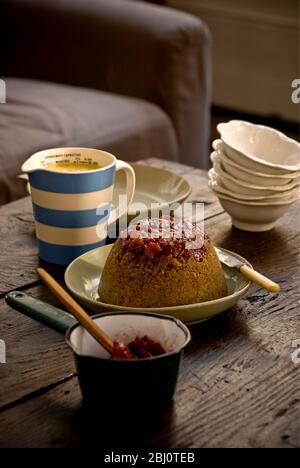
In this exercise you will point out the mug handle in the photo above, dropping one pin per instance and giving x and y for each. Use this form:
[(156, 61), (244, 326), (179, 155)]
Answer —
[(130, 188)]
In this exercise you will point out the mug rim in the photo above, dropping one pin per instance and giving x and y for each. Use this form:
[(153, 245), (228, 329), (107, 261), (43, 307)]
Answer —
[(66, 148), (178, 349)]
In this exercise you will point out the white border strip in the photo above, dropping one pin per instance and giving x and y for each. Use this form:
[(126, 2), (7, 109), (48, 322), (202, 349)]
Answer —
[(71, 201), (69, 236)]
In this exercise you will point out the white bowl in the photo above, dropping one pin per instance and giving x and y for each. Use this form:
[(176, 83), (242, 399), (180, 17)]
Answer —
[(231, 183), (255, 217), (247, 175), (260, 148), (215, 183)]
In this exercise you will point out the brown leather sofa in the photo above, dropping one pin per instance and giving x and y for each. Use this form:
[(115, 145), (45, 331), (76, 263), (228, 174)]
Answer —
[(120, 75)]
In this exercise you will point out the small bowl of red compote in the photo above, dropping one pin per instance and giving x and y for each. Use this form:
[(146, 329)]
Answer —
[(145, 374)]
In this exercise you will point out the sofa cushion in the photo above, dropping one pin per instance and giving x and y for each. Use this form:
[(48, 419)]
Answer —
[(40, 115)]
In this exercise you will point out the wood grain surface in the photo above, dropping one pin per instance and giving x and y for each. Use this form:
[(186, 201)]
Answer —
[(238, 386)]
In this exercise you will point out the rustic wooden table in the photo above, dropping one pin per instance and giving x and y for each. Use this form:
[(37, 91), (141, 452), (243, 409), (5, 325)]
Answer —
[(238, 386)]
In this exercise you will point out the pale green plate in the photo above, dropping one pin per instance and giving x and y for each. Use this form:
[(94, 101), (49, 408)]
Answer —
[(83, 275), (153, 185)]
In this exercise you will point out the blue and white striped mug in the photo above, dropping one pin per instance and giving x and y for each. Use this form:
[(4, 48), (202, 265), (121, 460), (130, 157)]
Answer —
[(72, 208)]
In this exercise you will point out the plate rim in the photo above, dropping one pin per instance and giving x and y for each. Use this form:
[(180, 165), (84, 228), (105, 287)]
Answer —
[(169, 171), (158, 310)]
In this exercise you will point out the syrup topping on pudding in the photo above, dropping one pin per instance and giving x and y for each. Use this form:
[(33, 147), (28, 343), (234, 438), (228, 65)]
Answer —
[(160, 237)]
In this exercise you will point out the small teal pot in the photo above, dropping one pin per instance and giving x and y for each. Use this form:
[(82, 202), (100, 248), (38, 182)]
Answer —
[(150, 381), (140, 384)]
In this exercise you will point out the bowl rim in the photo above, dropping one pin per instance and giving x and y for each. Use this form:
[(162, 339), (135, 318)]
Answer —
[(281, 135), (178, 322), (244, 202), (213, 185), (275, 188), (218, 151)]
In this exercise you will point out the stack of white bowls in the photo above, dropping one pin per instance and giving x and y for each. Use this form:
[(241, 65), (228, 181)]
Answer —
[(256, 173)]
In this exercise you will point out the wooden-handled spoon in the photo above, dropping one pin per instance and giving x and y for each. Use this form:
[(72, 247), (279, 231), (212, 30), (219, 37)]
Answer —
[(250, 273), (260, 279), (75, 309)]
